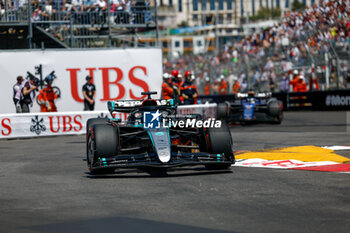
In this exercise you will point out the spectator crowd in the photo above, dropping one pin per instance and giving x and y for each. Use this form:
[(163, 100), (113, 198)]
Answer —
[(121, 11), (268, 60)]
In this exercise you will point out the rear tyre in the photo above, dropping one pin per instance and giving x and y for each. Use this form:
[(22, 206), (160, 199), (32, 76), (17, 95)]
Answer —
[(222, 111), (275, 109), (278, 120), (102, 142), (220, 142)]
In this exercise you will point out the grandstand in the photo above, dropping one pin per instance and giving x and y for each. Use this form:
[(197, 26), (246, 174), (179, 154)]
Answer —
[(315, 42), (70, 24)]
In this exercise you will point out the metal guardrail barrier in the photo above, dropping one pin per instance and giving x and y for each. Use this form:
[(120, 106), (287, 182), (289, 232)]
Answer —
[(95, 26), (337, 100)]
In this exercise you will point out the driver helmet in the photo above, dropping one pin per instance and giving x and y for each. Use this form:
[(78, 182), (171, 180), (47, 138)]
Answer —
[(295, 72), (251, 93)]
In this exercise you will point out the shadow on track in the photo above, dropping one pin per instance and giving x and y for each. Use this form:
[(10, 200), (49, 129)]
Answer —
[(121, 224), (76, 142), (158, 173)]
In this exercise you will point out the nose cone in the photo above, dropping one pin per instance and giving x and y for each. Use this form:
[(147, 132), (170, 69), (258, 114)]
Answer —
[(161, 143), (164, 156)]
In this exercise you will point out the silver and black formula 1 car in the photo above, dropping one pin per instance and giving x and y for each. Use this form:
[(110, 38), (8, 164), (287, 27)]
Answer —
[(155, 136), (250, 107)]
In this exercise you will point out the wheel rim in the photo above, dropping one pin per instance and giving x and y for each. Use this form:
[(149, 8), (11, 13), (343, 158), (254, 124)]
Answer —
[(91, 153)]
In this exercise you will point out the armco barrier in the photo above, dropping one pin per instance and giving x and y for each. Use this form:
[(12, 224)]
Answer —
[(70, 123), (315, 100)]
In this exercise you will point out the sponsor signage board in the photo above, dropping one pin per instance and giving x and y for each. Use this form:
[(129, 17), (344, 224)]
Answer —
[(68, 123), (117, 73)]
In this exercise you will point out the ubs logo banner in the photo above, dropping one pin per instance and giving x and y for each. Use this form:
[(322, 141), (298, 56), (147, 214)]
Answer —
[(101, 115), (337, 100), (37, 125), (113, 81)]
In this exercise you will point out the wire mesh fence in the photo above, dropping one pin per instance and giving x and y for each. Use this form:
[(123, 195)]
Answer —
[(82, 25)]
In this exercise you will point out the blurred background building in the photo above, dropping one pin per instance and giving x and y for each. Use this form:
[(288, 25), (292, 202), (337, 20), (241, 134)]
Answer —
[(229, 12)]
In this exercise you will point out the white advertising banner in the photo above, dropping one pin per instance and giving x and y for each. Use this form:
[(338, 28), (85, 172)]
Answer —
[(206, 110), (45, 124), (117, 74), (68, 123)]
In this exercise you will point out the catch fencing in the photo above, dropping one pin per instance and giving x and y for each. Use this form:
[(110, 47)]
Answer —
[(96, 26)]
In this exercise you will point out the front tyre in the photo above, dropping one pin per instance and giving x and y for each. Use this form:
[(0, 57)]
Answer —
[(220, 142), (102, 141)]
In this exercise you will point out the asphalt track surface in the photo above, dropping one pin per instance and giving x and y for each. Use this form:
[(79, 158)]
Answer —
[(45, 187)]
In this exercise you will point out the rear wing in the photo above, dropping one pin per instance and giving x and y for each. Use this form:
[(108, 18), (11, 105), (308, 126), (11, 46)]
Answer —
[(257, 95), (127, 106)]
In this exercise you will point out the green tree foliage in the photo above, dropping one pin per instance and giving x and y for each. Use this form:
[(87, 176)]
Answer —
[(267, 13), (297, 6), (183, 24)]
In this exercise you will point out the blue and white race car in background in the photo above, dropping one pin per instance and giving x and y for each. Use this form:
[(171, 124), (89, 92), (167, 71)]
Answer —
[(250, 107)]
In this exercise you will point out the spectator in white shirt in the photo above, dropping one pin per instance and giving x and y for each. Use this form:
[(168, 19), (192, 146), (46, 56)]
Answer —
[(77, 6)]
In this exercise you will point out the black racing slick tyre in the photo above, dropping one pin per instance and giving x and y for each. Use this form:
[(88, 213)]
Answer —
[(222, 112), (278, 120), (102, 142), (220, 142), (273, 107), (89, 124), (94, 121), (275, 110)]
